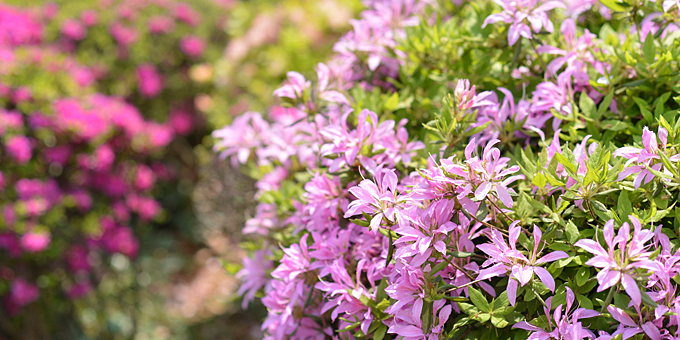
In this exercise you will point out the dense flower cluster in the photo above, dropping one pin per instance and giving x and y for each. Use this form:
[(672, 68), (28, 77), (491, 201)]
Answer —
[(364, 232), (81, 159)]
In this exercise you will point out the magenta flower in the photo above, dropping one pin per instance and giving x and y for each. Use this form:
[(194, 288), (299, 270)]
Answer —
[(144, 177), (504, 258), (19, 148), (407, 288), (668, 4), (295, 86), (76, 257), (181, 121), (628, 327), (514, 13), (488, 173), (89, 17), (192, 46), (161, 24), (73, 29), (247, 132), (576, 53), (254, 275), (377, 197), (124, 35), (35, 242), (549, 95), (620, 266), (408, 324), (150, 81), (23, 293), (428, 230), (79, 290), (561, 326), (467, 97), (644, 158)]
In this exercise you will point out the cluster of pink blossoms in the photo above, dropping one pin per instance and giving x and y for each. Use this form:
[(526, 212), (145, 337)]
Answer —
[(79, 169), (382, 238)]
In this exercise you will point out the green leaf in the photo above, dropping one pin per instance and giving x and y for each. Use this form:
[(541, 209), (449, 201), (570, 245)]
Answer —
[(584, 301), (571, 169), (380, 333), (481, 317), (613, 5), (624, 207), (572, 232), (598, 205), (647, 299), (604, 105), (501, 301), (392, 102), (649, 48), (381, 294), (614, 125), (468, 308), (658, 173), (582, 276), (587, 105), (390, 252), (360, 222), (460, 254), (479, 300), (499, 321), (540, 180)]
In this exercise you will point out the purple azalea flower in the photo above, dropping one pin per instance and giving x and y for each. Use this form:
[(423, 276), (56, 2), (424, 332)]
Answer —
[(644, 158), (378, 198), (619, 266), (408, 324), (628, 327), (514, 13), (426, 231), (504, 259), (561, 326)]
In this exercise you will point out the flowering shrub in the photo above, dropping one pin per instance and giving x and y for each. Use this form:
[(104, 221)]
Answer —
[(87, 121), (472, 170)]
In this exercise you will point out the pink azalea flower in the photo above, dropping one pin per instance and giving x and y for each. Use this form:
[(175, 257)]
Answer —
[(22, 293), (73, 29), (628, 327), (562, 326), (640, 159), (35, 242), (19, 148), (377, 197), (515, 12), (467, 97), (408, 324), (150, 81), (192, 46), (504, 259), (426, 231), (619, 266)]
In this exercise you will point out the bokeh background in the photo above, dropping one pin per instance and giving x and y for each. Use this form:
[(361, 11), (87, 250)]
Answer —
[(117, 220)]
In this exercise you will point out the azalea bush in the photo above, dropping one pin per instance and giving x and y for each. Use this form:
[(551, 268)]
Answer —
[(472, 170), (91, 130), (104, 111)]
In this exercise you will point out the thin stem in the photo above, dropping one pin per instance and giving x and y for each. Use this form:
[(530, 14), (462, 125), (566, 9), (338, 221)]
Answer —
[(455, 265), (502, 231), (538, 296), (590, 209), (608, 300), (499, 209), (463, 286)]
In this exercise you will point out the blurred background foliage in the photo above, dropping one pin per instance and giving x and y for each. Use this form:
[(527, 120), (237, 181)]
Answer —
[(175, 287)]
